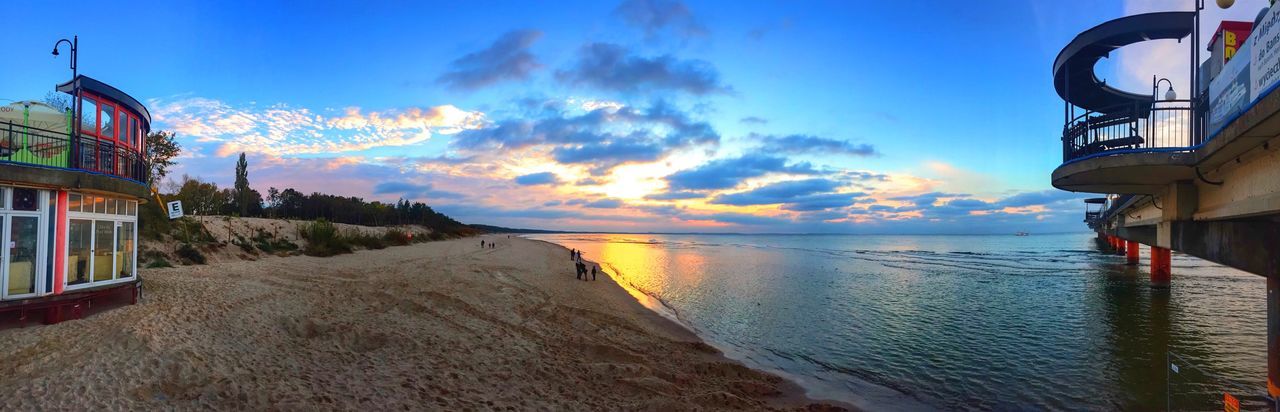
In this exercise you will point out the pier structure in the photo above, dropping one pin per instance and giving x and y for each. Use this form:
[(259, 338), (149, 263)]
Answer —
[(73, 174), (1197, 174)]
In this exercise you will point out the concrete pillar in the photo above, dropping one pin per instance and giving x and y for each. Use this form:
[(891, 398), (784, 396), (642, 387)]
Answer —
[(1120, 246), (1131, 254), (1161, 262), (1273, 336)]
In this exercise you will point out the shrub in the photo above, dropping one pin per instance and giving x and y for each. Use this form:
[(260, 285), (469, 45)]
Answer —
[(398, 237), (271, 244), (188, 230), (436, 236), (366, 241), (159, 263), (323, 239), (190, 255)]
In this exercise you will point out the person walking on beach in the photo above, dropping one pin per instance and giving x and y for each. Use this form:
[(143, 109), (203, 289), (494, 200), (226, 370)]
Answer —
[(593, 273), (572, 254), (482, 244)]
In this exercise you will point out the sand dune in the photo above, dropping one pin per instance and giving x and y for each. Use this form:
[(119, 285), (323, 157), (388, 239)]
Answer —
[(441, 325)]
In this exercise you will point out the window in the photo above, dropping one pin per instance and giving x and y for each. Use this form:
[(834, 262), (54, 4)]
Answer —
[(102, 241), (79, 247), (24, 235), (89, 115), (134, 136), (4, 203), (25, 199), (73, 202), (108, 126)]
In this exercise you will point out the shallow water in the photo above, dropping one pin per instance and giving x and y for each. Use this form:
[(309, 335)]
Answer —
[(957, 322)]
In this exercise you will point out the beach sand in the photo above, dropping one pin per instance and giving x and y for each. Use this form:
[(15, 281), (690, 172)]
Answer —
[(439, 325)]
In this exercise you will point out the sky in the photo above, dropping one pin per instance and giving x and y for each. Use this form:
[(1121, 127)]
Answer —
[(633, 115)]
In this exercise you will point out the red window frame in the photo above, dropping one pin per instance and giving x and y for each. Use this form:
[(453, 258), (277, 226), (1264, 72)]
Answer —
[(122, 120)]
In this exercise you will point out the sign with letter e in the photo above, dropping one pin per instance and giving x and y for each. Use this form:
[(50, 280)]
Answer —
[(175, 209)]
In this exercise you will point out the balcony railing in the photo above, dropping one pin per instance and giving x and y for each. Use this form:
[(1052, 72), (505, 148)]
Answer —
[(33, 146), (1160, 126)]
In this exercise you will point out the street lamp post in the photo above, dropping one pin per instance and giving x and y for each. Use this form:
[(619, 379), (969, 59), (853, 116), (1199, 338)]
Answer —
[(75, 98)]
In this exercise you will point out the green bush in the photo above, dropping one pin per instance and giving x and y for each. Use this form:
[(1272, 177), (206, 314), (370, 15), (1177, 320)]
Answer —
[(188, 230), (159, 263), (398, 237), (190, 255), (366, 241), (436, 236), (323, 239), (270, 244)]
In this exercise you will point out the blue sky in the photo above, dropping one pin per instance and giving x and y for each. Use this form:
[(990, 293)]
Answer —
[(664, 115)]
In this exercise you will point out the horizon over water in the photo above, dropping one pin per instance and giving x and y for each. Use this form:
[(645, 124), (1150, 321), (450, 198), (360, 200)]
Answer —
[(970, 322)]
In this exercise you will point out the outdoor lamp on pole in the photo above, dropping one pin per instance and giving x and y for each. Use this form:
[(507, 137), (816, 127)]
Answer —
[(1169, 95), (74, 43)]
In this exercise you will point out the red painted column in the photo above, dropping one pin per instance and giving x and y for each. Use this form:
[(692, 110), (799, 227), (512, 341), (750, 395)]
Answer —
[(60, 244), (1273, 336), (1131, 252), (1161, 266), (1120, 246)]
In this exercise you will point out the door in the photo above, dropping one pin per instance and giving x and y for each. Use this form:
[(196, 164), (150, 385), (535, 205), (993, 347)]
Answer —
[(21, 256)]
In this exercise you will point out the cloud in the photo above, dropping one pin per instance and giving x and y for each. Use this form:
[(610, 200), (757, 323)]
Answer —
[(753, 120), (533, 179), (506, 59), (613, 67), (281, 130), (604, 204), (1040, 198), (654, 16), (599, 139), (798, 143), (777, 192), (414, 191), (679, 195), (729, 173), (745, 219)]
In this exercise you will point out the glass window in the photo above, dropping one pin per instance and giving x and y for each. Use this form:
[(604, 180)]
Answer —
[(133, 131), (25, 199), (99, 205), (79, 246), (89, 115), (4, 203), (23, 232), (133, 208), (108, 126), (73, 202), (124, 250), (111, 206), (103, 249)]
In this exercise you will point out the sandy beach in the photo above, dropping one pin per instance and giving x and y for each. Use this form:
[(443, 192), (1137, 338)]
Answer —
[(439, 325)]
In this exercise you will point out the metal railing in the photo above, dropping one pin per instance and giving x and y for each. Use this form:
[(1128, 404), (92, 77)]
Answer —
[(34, 146), (1163, 125)]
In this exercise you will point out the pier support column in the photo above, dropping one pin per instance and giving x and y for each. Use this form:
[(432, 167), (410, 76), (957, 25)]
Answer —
[(1131, 252), (1161, 266), (1273, 337), (1120, 246)]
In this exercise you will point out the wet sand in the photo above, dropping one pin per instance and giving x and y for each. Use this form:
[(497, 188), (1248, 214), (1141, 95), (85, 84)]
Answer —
[(440, 325)]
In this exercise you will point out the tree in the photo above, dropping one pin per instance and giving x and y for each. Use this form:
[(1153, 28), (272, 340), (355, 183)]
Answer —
[(204, 198), (161, 149), (273, 200), (242, 185)]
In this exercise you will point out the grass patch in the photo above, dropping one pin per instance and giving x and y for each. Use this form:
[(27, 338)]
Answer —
[(190, 255), (323, 239)]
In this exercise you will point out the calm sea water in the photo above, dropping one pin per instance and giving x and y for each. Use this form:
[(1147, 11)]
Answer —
[(957, 322)]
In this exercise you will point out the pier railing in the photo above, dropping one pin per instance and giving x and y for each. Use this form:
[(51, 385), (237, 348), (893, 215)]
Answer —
[(47, 148), (1160, 126)]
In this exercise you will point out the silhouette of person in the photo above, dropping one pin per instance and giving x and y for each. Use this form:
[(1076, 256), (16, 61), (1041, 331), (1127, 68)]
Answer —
[(593, 272), (482, 244)]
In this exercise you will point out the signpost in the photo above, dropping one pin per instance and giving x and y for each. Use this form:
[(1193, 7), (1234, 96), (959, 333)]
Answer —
[(175, 209)]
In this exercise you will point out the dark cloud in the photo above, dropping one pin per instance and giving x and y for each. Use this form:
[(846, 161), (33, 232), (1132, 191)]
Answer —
[(729, 173), (541, 178), (779, 192), (743, 219), (798, 143), (551, 203), (1041, 198), (679, 195), (414, 191), (753, 120), (603, 204), (508, 58), (926, 199), (654, 16), (614, 68), (596, 138), (588, 182)]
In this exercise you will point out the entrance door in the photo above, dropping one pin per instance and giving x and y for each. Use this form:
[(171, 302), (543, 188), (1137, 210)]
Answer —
[(21, 257)]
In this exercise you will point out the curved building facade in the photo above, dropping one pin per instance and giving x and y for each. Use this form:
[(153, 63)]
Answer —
[(72, 180)]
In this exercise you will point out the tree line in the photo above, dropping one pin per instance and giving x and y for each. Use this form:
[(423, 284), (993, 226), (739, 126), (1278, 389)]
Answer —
[(206, 198)]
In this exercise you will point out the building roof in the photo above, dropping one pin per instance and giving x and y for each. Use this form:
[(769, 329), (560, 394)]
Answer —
[(110, 92), (1073, 75)]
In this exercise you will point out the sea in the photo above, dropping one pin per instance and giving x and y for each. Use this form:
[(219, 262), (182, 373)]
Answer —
[(982, 322)]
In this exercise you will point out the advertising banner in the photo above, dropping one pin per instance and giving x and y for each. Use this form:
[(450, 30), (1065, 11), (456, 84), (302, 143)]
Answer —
[(1249, 76)]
